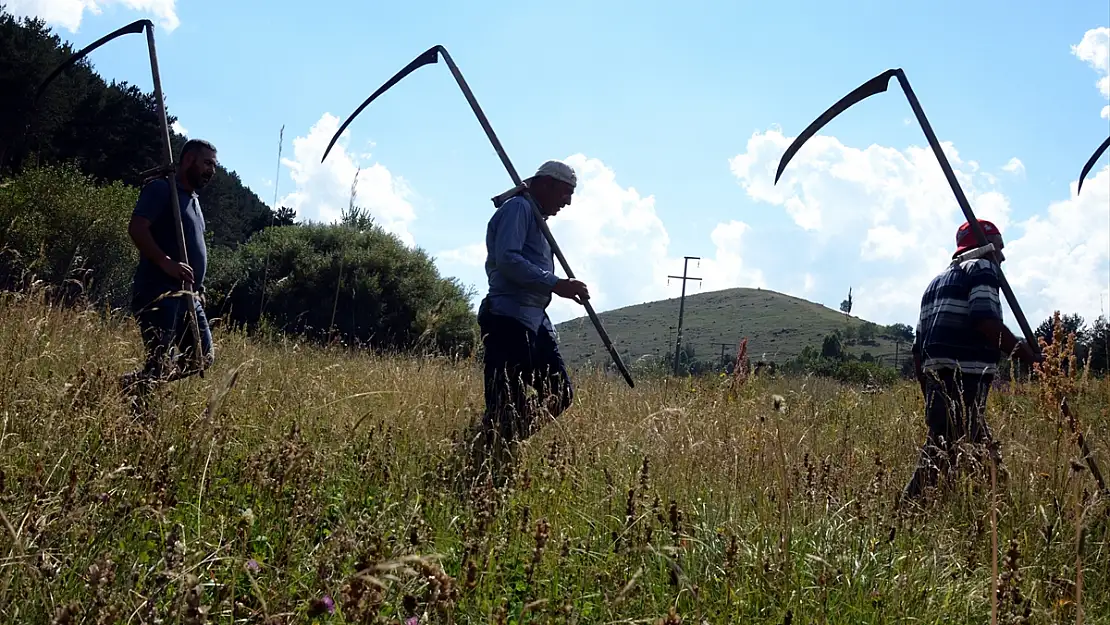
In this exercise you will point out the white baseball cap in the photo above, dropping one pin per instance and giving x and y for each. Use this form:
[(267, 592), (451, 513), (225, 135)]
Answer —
[(557, 170)]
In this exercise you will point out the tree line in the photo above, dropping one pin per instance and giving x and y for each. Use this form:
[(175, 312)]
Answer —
[(833, 359), (1092, 341), (71, 166)]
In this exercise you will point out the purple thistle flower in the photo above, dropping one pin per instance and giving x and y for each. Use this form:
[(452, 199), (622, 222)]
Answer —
[(252, 565), (322, 605), (412, 620)]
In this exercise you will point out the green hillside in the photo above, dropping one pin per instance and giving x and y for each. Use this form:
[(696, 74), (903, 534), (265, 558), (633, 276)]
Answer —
[(778, 328)]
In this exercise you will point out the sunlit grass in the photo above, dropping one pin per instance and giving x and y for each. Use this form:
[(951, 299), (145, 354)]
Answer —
[(296, 483)]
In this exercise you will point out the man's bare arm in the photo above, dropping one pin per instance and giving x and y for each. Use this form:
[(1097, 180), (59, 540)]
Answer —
[(139, 230)]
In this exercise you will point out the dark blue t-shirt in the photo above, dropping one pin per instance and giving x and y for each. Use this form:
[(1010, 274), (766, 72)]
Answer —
[(154, 204)]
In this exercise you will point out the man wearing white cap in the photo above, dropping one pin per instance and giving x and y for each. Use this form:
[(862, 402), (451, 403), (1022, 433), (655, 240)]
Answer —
[(520, 343)]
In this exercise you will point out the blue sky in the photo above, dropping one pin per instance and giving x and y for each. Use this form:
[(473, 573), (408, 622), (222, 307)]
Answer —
[(675, 118)]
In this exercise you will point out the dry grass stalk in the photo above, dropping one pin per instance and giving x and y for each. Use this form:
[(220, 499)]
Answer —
[(300, 472)]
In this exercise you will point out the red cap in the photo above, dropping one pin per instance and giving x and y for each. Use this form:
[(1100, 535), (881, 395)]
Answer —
[(965, 236)]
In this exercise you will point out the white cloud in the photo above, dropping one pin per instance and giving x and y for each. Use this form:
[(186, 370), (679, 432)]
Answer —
[(727, 268), (895, 209), (810, 284), (473, 255), (69, 13), (1014, 166), (1094, 49), (837, 191), (323, 190), (1062, 259), (886, 242), (613, 240), (179, 129), (616, 243)]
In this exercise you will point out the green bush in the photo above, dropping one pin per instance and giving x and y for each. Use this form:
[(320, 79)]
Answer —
[(57, 226), (362, 286), (832, 362), (857, 372)]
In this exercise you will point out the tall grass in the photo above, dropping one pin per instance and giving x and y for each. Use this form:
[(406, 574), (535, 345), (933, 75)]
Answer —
[(297, 483)]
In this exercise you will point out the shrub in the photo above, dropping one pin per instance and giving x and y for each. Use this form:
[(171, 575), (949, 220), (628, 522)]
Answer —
[(58, 226), (362, 286), (831, 361), (857, 372)]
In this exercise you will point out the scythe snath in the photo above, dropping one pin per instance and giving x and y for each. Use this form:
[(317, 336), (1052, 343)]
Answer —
[(432, 56), (1091, 163), (877, 85), (168, 169)]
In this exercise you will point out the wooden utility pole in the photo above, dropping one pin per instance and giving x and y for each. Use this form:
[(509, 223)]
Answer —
[(681, 307), (724, 360)]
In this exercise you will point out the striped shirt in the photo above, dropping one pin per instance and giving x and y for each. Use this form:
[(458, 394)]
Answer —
[(953, 304)]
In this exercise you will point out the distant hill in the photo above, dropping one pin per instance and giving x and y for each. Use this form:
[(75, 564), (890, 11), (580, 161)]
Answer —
[(778, 328)]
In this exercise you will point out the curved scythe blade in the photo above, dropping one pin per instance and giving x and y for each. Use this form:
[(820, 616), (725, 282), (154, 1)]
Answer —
[(431, 55), (1091, 163), (877, 84), (131, 29)]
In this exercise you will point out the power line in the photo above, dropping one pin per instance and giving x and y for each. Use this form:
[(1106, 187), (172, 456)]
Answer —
[(682, 306)]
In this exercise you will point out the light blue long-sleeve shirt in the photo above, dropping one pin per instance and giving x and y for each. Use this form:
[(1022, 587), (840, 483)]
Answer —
[(519, 265)]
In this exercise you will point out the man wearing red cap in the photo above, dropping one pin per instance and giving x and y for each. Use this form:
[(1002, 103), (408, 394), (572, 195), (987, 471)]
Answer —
[(959, 340)]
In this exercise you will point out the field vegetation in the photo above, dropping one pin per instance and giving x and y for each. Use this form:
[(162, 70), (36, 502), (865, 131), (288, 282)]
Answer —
[(319, 473), (299, 483)]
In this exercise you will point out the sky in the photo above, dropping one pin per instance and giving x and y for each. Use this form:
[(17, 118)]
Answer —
[(675, 118)]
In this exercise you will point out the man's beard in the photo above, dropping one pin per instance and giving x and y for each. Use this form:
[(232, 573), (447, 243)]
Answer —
[(197, 180)]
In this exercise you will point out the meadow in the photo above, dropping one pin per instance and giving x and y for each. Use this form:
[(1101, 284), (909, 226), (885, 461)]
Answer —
[(304, 484)]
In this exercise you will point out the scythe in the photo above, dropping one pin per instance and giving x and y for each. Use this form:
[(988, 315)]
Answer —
[(1091, 163), (432, 56), (168, 169), (877, 85)]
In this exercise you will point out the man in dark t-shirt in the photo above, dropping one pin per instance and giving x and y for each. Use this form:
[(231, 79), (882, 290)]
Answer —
[(161, 273)]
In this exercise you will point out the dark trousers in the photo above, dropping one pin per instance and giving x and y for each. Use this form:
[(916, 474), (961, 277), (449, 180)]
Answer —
[(164, 326), (954, 412), (517, 358)]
